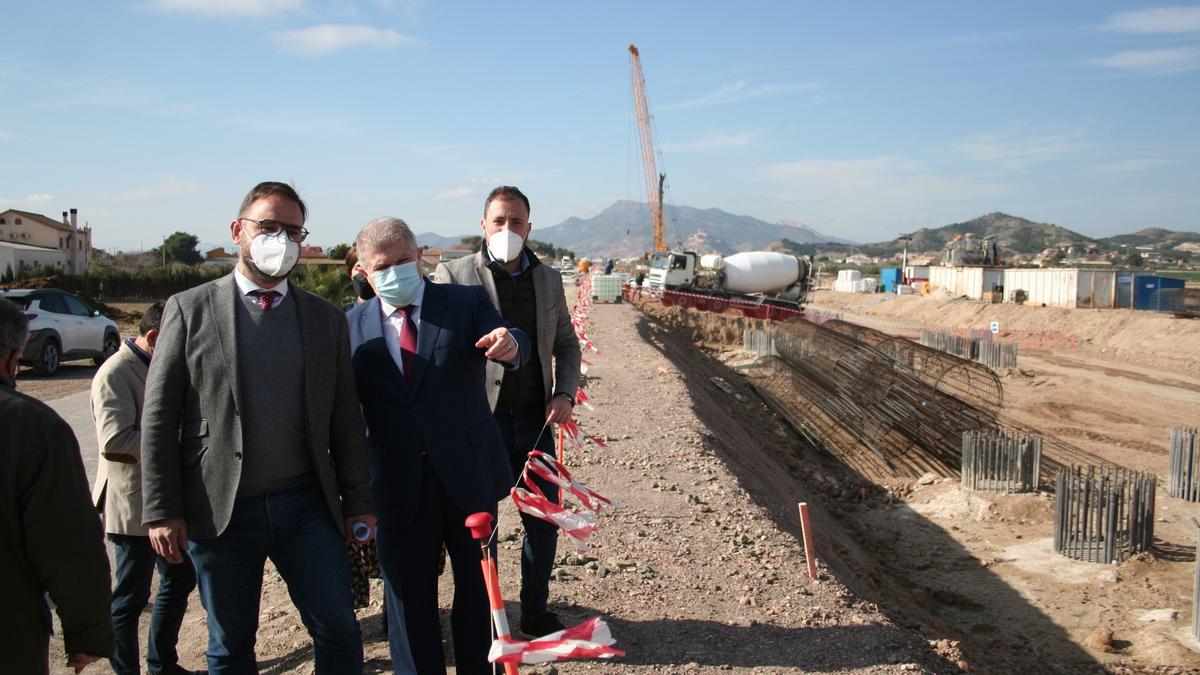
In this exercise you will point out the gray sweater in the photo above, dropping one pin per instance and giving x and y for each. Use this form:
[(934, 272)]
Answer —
[(271, 359)]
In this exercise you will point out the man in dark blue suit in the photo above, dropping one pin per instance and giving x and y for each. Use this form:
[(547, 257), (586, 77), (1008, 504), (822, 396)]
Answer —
[(436, 453)]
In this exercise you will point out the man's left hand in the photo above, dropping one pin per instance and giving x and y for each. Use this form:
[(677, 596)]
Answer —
[(500, 344), (559, 411), (367, 519)]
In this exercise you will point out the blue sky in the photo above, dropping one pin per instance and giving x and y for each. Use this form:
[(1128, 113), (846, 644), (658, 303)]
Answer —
[(862, 120)]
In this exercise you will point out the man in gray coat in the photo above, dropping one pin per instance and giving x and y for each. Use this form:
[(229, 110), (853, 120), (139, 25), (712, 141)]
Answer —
[(51, 542), (118, 390), (526, 400), (253, 444)]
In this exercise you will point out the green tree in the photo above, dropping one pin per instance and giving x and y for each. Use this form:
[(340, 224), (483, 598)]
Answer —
[(8, 274), (470, 243), (339, 252), (180, 247), (1134, 259)]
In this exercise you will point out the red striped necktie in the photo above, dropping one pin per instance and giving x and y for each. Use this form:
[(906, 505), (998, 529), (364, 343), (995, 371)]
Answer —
[(266, 299), (408, 341)]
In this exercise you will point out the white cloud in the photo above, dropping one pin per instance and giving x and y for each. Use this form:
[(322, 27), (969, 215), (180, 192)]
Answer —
[(27, 200), (1156, 20), (225, 8), (456, 192), (171, 187), (331, 37), (1015, 149), (1153, 61), (297, 123), (712, 142), (737, 91), (443, 152), (5, 136), (1126, 166)]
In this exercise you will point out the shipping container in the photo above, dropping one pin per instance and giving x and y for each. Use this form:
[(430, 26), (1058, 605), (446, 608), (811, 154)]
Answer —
[(890, 278), (1158, 294), (916, 273), (976, 283), (1061, 287)]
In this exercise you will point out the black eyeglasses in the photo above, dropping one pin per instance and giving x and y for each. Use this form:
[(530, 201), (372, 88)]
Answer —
[(296, 233)]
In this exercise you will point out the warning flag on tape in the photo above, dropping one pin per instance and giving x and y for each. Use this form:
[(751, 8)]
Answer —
[(589, 640)]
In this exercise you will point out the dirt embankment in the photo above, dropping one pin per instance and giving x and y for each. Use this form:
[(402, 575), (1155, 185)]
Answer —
[(979, 568), (1144, 338)]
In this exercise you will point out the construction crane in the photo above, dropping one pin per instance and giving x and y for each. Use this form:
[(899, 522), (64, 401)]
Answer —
[(654, 179)]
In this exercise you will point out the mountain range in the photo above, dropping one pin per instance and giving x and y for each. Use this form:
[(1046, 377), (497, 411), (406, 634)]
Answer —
[(622, 230)]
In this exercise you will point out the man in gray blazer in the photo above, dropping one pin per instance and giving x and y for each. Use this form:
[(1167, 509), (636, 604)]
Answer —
[(118, 390), (253, 444), (525, 401)]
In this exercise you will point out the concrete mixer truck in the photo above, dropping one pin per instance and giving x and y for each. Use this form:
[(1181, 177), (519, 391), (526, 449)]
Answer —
[(759, 284)]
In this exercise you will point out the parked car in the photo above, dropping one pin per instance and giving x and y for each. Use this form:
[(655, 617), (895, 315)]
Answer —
[(63, 328)]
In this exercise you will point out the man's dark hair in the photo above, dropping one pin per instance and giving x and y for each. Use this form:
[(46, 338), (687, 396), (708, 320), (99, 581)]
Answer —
[(151, 318), (505, 192), (14, 327), (272, 189)]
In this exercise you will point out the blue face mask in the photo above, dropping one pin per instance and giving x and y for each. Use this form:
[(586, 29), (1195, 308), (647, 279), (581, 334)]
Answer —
[(398, 284)]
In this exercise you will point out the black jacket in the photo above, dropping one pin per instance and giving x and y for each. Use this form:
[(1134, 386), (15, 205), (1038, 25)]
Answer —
[(51, 540)]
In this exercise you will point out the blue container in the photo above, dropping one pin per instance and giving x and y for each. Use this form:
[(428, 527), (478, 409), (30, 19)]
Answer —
[(890, 277), (1158, 294)]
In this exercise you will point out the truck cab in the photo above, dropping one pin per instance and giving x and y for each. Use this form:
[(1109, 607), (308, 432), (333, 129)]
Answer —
[(672, 270)]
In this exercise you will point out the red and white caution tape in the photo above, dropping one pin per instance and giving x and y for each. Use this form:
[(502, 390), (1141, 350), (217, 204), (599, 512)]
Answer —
[(589, 640), (582, 399), (530, 499)]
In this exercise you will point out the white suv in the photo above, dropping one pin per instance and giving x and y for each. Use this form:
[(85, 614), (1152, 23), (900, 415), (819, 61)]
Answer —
[(63, 328)]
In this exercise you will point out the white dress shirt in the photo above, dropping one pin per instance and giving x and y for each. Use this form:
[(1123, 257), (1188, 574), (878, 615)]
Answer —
[(245, 286), (393, 324)]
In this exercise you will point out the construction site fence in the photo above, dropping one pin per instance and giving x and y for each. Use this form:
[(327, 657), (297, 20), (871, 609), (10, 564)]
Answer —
[(1103, 515), (994, 355), (1183, 475), (994, 461), (1196, 586)]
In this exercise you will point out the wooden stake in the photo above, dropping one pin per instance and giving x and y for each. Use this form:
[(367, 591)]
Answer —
[(806, 530)]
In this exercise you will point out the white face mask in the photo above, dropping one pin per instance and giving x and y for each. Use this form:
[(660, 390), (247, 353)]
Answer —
[(505, 245), (274, 254)]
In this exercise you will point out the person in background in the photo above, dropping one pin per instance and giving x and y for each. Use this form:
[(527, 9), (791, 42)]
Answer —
[(253, 444), (608, 266), (362, 287), (118, 390), (51, 541), (637, 283), (525, 401), (420, 351)]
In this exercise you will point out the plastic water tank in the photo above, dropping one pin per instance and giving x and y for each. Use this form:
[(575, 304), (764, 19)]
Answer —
[(760, 271)]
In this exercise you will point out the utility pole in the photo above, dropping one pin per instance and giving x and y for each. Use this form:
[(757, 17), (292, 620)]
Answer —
[(904, 264)]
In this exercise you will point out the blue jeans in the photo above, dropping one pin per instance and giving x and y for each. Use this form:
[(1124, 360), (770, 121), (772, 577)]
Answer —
[(294, 529), (135, 564), (541, 538)]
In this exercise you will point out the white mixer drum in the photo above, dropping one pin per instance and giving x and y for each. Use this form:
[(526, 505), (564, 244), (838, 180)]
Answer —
[(760, 271)]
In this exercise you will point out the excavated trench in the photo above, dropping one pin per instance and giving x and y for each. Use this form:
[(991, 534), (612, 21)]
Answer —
[(876, 543)]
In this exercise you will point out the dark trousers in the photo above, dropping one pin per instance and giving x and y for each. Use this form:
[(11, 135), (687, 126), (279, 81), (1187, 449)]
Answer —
[(293, 528), (135, 565), (520, 432), (410, 556)]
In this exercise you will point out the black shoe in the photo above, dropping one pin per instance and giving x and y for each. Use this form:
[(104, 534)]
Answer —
[(541, 625)]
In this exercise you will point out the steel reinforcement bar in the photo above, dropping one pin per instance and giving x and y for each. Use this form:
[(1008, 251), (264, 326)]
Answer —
[(1103, 515)]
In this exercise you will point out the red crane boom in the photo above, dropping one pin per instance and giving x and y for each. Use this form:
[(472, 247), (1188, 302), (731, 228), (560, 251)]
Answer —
[(654, 179)]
